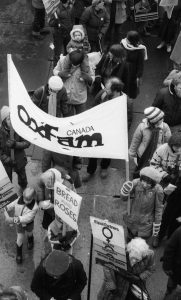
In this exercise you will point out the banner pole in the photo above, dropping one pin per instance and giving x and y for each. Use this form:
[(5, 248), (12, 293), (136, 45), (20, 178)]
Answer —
[(127, 179), (90, 269)]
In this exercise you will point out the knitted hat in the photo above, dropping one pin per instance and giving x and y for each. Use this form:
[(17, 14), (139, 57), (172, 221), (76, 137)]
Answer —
[(55, 83), (151, 173), (153, 114), (76, 57), (175, 139), (77, 28), (176, 79), (56, 263), (5, 112)]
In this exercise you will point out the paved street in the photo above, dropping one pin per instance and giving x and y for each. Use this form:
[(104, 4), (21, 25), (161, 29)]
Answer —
[(31, 59)]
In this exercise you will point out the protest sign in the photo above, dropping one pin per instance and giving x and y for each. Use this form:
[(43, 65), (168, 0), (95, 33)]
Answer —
[(66, 204), (108, 244), (51, 6), (98, 132), (145, 10), (7, 189)]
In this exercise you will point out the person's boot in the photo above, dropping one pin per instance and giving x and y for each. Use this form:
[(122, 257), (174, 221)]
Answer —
[(19, 257), (30, 243)]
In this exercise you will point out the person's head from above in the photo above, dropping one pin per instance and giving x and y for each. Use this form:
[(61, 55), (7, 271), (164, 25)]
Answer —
[(55, 84), (154, 116), (65, 2), (114, 87), (117, 53), (29, 195), (48, 179), (133, 38), (175, 142), (137, 249), (77, 34), (177, 66), (76, 57), (176, 83), (149, 177), (56, 264), (5, 116), (98, 4)]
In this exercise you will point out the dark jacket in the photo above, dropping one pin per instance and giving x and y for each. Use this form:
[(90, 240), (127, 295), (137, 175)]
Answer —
[(95, 22), (79, 6), (5, 151), (40, 99), (172, 256), (65, 20), (69, 285), (170, 104), (106, 68)]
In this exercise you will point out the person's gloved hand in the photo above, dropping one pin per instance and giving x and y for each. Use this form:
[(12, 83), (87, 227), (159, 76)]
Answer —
[(165, 180), (126, 188), (11, 143), (16, 220)]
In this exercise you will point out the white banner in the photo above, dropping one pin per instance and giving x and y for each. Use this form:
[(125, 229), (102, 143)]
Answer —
[(7, 189), (67, 204), (98, 132), (50, 6), (109, 244)]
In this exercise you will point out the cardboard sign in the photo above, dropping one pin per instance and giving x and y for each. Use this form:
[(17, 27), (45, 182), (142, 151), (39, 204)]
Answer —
[(67, 204), (51, 6), (145, 10), (7, 189), (109, 244)]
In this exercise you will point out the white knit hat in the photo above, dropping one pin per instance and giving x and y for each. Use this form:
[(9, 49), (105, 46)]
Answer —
[(55, 83), (153, 114), (5, 112), (151, 173), (77, 28)]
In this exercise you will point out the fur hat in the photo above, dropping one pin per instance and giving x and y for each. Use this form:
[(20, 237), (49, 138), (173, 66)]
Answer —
[(176, 79), (55, 83), (5, 112), (76, 57), (77, 28), (151, 173), (153, 114), (175, 139), (56, 263)]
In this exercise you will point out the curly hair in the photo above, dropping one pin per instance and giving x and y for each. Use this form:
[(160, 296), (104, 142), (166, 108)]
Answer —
[(139, 246)]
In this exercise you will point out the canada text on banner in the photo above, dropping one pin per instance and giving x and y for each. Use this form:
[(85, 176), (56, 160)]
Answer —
[(98, 132), (66, 204), (145, 10), (51, 6), (7, 189), (109, 244)]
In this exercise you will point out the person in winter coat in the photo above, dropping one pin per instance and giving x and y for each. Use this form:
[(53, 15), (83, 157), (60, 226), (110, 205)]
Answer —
[(113, 89), (121, 284), (148, 136), (95, 20), (79, 7), (52, 98), (168, 99), (12, 154), (112, 64), (25, 209), (172, 262), (38, 30), (136, 55), (167, 160), (169, 27), (59, 276), (146, 204), (176, 71), (62, 22)]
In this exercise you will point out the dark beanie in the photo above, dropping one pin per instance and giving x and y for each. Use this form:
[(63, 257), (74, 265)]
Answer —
[(133, 37), (76, 57), (56, 263), (175, 139), (117, 50)]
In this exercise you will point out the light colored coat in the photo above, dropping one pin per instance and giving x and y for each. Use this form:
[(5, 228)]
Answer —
[(146, 209), (142, 137)]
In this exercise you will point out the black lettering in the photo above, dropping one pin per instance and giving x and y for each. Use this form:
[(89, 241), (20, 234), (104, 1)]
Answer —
[(89, 140), (107, 233), (20, 109), (66, 141)]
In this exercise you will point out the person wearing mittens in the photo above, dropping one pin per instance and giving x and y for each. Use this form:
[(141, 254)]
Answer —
[(146, 209)]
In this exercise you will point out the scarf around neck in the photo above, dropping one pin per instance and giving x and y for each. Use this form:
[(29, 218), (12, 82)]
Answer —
[(130, 47)]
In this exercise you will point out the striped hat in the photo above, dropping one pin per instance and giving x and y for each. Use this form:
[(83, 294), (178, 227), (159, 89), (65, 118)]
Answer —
[(153, 114)]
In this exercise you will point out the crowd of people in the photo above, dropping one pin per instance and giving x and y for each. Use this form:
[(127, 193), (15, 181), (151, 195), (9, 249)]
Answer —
[(81, 28)]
